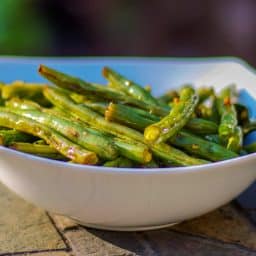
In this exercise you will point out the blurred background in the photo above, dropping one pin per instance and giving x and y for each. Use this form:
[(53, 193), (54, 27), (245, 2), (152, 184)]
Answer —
[(131, 27)]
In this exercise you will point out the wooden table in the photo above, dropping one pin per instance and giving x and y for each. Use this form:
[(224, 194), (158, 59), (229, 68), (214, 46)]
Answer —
[(28, 230)]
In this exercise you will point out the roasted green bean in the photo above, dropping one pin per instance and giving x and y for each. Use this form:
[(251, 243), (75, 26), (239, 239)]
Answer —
[(177, 118), (60, 143)]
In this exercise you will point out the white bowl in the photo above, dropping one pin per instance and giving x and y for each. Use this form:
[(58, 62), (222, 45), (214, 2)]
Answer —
[(123, 198)]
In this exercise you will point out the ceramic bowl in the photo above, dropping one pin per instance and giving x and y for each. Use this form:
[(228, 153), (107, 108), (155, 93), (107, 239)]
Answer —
[(124, 198)]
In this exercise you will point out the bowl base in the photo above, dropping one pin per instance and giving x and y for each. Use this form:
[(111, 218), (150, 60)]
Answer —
[(125, 228)]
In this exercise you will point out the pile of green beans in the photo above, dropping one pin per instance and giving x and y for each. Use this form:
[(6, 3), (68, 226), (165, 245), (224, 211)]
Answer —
[(122, 124)]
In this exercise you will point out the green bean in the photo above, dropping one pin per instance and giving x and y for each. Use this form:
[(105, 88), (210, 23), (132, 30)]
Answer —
[(202, 148), (125, 115), (168, 97), (40, 142), (201, 126), (130, 116), (228, 122), (21, 89), (95, 104), (22, 104), (235, 142), (81, 98), (54, 139), (148, 88), (129, 87), (37, 149), (204, 93), (77, 85), (213, 138), (136, 119), (209, 111), (151, 164), (61, 113), (203, 111), (119, 162), (33, 148), (195, 123), (177, 118), (175, 156), (60, 99), (75, 132), (99, 107), (82, 87), (229, 92), (214, 116), (142, 113), (8, 137), (135, 151)]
